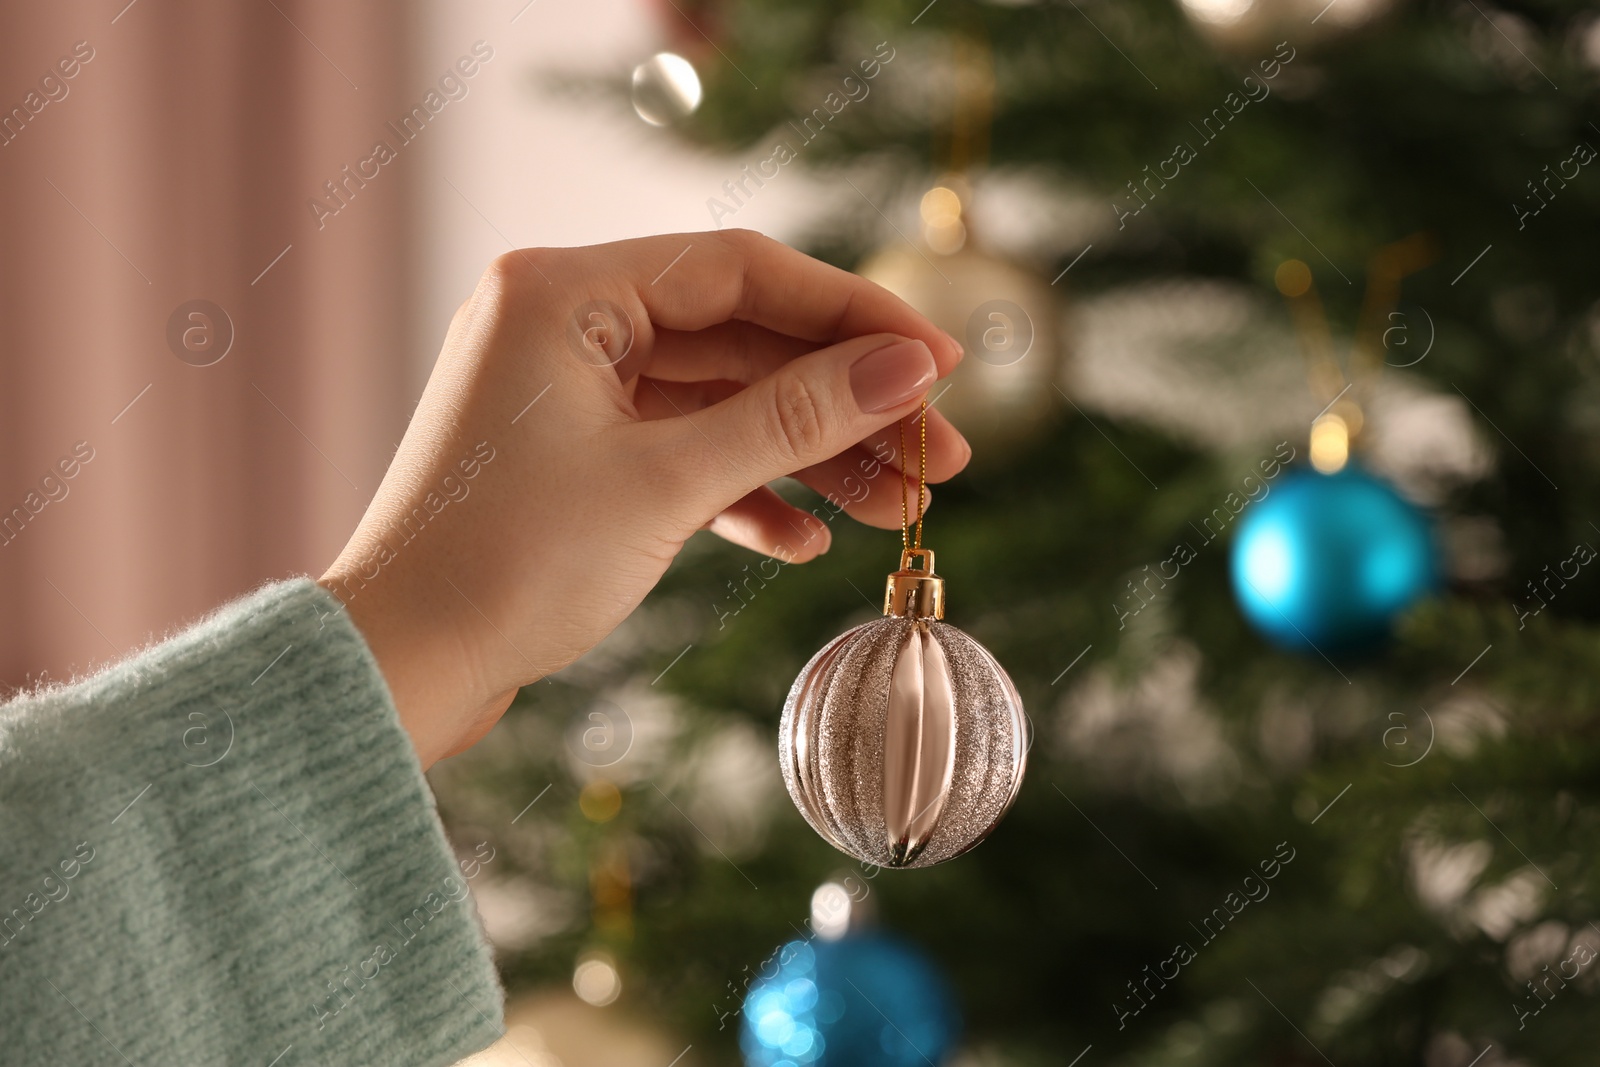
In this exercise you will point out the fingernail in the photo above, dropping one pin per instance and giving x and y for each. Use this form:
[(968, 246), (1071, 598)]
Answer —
[(960, 351), (827, 541), (889, 376)]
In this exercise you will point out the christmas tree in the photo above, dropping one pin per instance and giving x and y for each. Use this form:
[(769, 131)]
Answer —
[(1223, 852)]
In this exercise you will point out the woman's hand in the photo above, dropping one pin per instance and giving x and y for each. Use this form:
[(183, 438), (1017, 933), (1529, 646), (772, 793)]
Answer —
[(591, 409)]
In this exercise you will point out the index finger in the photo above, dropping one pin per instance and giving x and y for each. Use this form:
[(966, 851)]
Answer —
[(690, 281)]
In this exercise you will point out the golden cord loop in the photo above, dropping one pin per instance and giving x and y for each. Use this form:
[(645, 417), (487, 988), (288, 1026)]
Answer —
[(1385, 270), (1340, 423), (905, 482), (922, 471), (905, 487)]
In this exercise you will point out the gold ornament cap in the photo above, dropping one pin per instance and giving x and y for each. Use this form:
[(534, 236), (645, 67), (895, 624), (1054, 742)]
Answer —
[(914, 592)]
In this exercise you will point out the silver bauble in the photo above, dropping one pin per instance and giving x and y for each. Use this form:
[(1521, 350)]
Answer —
[(903, 742), (666, 89)]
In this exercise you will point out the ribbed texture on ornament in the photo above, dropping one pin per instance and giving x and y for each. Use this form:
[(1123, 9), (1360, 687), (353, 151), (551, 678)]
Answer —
[(839, 743)]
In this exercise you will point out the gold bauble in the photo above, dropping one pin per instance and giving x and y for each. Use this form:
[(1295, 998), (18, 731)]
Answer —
[(554, 1028), (1004, 392)]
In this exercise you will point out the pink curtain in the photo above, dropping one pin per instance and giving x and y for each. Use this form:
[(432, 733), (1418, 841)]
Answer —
[(153, 155)]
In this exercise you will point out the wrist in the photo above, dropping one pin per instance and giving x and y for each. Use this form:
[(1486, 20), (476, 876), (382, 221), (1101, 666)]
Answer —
[(430, 673)]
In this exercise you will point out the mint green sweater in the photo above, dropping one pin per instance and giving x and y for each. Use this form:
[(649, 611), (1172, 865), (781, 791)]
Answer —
[(223, 851)]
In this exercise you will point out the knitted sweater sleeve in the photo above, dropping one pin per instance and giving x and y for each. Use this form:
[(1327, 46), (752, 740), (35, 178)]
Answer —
[(223, 850)]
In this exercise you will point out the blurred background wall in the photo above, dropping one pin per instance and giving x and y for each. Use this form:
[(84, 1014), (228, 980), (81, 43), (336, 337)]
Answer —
[(176, 167)]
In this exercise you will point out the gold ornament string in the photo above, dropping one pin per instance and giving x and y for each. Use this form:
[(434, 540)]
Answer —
[(971, 120), (973, 112), (1385, 269), (1343, 419), (905, 482)]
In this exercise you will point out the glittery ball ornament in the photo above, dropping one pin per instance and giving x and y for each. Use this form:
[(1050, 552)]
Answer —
[(903, 742)]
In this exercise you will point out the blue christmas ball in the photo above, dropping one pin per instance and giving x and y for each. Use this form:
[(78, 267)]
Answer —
[(1327, 562), (866, 1000)]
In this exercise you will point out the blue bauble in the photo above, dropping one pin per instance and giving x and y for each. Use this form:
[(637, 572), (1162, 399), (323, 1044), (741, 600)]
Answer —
[(1327, 562), (866, 1000)]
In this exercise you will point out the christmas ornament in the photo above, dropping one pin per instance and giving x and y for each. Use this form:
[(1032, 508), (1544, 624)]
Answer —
[(1003, 394), (864, 999), (1242, 25), (1333, 556), (903, 742), (1327, 562), (665, 89), (555, 1028)]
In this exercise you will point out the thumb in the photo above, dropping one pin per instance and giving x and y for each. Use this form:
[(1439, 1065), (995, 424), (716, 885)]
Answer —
[(811, 409)]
